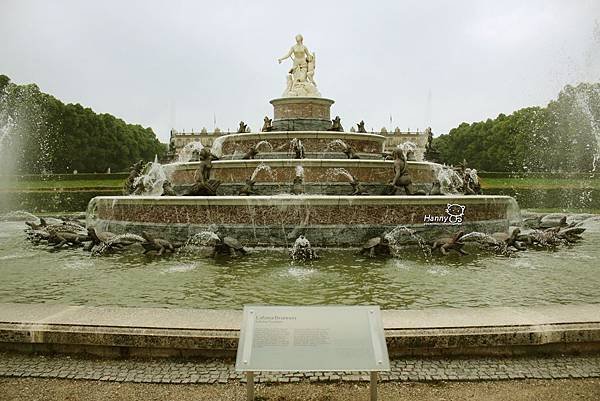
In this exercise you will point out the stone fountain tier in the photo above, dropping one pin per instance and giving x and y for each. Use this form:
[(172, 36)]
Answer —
[(327, 221), (321, 176), (301, 113), (234, 146)]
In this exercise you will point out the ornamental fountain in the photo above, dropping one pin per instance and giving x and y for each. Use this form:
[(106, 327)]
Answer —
[(332, 187)]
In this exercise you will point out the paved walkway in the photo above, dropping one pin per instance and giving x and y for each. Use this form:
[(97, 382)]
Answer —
[(170, 371)]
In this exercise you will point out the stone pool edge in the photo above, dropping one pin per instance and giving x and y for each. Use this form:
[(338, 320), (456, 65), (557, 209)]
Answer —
[(160, 332)]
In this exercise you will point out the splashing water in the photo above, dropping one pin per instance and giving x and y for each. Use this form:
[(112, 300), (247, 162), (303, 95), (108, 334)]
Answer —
[(18, 215), (299, 171), (402, 235), (450, 182), (302, 250), (584, 105), (6, 125), (187, 152), (202, 239), (407, 147), (198, 241), (474, 177), (217, 146), (478, 236), (150, 182), (294, 145), (262, 166), (124, 239), (499, 247)]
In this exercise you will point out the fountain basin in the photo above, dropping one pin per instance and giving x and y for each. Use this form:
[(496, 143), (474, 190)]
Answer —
[(327, 221), (300, 113), (319, 175), (315, 144)]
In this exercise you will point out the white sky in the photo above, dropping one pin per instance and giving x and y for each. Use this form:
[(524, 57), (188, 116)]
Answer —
[(178, 63)]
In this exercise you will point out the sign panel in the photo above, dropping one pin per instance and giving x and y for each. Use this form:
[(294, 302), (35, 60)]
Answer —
[(312, 338)]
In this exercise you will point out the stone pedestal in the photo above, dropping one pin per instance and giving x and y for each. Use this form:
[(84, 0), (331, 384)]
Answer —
[(301, 114)]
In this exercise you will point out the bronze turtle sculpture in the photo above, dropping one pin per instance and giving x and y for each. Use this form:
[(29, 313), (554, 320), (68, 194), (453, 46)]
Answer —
[(104, 241), (376, 246), (510, 240), (168, 189), (571, 234), (157, 244), (248, 188), (349, 152), (228, 246), (357, 188), (251, 153), (297, 186), (60, 233), (66, 234), (447, 244), (36, 226), (550, 223)]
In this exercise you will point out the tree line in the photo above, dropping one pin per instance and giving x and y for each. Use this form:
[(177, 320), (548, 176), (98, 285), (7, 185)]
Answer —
[(40, 134), (561, 137)]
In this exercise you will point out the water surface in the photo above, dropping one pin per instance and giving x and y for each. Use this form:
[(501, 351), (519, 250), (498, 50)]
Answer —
[(32, 274)]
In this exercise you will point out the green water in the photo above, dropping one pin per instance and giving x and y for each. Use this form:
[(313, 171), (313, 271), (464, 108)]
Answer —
[(33, 274)]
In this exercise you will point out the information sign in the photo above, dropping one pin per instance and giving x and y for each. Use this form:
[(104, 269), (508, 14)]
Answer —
[(312, 338)]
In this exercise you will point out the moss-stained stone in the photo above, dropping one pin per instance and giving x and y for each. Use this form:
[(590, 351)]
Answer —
[(316, 171), (301, 107), (261, 220), (313, 141)]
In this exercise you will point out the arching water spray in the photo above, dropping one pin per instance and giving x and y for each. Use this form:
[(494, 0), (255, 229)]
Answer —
[(333, 172), (264, 144), (450, 182), (337, 143), (408, 149), (187, 152), (401, 236), (259, 168), (152, 179)]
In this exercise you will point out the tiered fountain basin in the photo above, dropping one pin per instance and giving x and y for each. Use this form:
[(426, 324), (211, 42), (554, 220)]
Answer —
[(320, 175), (317, 144), (327, 221), (301, 113)]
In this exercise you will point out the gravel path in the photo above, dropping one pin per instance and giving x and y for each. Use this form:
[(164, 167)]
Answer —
[(223, 372), (15, 389)]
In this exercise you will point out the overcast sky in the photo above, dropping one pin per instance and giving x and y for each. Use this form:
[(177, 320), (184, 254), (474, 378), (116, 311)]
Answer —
[(179, 64)]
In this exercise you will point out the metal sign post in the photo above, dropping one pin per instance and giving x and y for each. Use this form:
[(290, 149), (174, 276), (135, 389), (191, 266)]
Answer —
[(311, 338), (250, 386)]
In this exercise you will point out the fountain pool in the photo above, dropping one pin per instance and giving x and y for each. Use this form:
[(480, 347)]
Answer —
[(32, 274)]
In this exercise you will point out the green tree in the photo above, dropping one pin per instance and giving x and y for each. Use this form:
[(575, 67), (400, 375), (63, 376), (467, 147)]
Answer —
[(41, 134), (563, 136)]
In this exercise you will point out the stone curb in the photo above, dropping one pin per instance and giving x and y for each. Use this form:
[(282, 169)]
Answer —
[(147, 332)]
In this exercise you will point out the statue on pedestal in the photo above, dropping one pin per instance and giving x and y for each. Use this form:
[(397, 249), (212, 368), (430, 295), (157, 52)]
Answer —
[(336, 125), (242, 128), (268, 125), (361, 127), (300, 79)]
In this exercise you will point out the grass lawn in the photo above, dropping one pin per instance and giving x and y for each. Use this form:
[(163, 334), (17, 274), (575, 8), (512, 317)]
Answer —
[(540, 183), (41, 185)]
